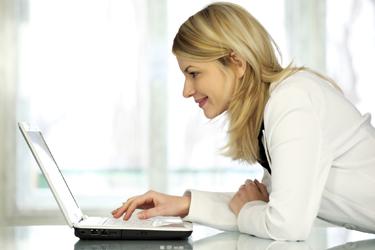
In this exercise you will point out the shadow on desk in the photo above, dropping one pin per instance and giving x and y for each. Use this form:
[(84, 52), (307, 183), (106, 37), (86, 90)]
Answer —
[(225, 240)]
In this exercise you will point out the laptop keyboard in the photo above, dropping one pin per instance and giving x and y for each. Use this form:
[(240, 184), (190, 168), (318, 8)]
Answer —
[(132, 222)]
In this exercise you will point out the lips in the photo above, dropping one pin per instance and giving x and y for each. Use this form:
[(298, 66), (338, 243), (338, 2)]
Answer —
[(201, 101)]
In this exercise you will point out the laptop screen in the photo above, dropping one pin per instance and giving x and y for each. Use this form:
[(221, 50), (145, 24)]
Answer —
[(54, 177)]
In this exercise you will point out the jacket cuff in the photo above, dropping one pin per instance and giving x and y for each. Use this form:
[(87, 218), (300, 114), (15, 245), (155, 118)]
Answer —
[(211, 209), (244, 221)]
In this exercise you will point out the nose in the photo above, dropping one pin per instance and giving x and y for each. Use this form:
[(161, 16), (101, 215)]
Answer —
[(189, 90)]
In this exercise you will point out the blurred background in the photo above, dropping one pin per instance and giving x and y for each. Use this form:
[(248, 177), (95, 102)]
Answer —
[(99, 79)]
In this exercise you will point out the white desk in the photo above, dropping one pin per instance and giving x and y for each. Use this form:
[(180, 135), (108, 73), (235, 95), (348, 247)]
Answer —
[(203, 238)]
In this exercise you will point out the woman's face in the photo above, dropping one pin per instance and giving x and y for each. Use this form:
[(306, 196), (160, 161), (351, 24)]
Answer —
[(211, 84)]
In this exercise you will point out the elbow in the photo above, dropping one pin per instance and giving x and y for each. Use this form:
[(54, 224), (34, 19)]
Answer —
[(274, 225), (290, 232), (293, 235)]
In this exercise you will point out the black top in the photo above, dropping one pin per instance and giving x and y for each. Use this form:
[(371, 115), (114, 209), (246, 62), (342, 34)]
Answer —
[(262, 153)]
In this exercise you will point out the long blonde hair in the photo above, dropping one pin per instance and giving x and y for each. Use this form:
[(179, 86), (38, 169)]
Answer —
[(213, 34)]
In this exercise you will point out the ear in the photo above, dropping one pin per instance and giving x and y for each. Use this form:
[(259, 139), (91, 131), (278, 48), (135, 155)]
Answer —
[(239, 64)]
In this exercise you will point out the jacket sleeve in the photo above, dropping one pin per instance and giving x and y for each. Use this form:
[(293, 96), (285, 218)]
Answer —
[(300, 166), (211, 209)]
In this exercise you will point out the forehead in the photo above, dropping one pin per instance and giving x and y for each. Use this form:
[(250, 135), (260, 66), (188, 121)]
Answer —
[(183, 63)]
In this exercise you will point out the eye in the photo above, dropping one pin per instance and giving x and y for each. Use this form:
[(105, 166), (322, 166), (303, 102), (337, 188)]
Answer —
[(193, 74)]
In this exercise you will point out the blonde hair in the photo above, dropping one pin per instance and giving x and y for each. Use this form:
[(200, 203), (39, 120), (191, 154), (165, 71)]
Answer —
[(213, 34)]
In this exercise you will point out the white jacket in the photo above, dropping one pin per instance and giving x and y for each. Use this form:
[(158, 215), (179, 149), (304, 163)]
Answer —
[(322, 154)]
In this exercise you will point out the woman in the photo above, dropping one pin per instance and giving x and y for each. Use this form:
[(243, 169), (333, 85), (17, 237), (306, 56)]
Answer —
[(317, 149)]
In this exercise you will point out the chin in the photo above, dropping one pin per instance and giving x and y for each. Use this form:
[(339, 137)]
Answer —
[(208, 114), (211, 115)]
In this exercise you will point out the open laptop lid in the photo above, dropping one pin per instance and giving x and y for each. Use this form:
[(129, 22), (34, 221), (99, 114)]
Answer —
[(51, 172)]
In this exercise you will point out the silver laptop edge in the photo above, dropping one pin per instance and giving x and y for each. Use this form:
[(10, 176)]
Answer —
[(73, 215)]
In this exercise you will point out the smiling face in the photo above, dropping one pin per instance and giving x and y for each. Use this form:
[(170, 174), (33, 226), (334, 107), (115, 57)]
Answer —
[(211, 84)]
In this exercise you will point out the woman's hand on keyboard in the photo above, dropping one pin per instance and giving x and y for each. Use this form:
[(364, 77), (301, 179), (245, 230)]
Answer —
[(154, 204)]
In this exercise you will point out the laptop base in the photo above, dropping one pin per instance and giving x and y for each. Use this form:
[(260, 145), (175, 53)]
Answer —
[(126, 234)]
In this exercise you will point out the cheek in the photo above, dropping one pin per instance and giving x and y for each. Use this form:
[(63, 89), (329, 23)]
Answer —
[(219, 86), (228, 89), (228, 80)]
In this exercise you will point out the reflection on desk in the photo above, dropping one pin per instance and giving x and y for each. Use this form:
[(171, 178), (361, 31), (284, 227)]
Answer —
[(235, 241), (359, 245), (203, 238), (225, 240), (133, 245)]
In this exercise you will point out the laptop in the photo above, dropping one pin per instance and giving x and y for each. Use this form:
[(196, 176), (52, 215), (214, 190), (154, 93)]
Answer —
[(99, 228)]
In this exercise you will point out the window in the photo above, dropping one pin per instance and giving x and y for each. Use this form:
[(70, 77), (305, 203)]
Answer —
[(82, 79), (98, 78), (351, 48)]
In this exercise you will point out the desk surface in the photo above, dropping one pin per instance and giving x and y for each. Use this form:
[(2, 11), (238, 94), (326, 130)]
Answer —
[(203, 238)]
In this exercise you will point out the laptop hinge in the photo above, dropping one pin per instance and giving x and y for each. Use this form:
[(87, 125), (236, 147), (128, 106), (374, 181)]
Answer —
[(82, 218)]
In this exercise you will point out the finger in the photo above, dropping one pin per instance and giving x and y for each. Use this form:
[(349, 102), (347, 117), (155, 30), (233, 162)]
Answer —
[(248, 182), (121, 210), (262, 188), (117, 209), (152, 212), (252, 190), (135, 204), (257, 184), (118, 212), (114, 212)]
